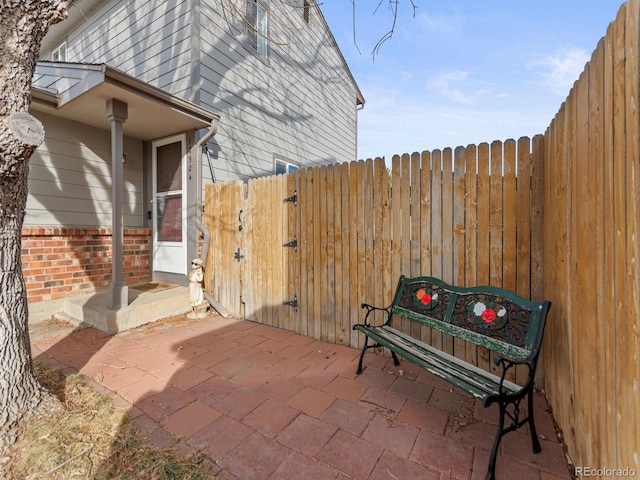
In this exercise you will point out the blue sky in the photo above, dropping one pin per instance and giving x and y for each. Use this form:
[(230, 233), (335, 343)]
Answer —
[(463, 71)]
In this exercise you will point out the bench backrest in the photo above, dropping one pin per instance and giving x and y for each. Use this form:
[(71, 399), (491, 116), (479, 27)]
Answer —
[(490, 317)]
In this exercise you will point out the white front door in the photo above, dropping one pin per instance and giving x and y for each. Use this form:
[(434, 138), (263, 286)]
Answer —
[(169, 209)]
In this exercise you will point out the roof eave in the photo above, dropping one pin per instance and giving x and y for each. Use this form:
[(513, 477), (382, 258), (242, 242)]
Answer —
[(359, 97), (122, 80)]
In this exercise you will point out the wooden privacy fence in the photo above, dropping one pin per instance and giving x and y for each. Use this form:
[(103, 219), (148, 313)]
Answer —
[(303, 251), (592, 255)]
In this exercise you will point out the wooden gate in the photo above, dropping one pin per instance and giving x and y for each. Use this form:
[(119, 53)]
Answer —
[(249, 270), (297, 251)]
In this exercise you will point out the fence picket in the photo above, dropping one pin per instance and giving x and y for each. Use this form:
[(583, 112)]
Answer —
[(471, 232), (293, 264), (425, 226), (354, 291), (329, 302), (357, 214), (608, 286), (305, 249), (380, 220), (339, 285), (458, 233), (524, 213), (344, 319), (322, 265), (630, 371), (414, 217), (436, 229), (279, 270), (396, 219), (509, 215), (446, 233), (367, 214), (315, 297)]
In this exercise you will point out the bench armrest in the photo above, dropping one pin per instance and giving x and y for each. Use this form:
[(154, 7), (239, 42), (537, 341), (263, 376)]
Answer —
[(507, 365), (371, 308)]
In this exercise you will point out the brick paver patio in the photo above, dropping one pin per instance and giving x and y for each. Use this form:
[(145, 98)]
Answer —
[(268, 404)]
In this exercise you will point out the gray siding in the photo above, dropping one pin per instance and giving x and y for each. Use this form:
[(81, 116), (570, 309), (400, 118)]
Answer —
[(147, 40), (299, 103), (70, 177)]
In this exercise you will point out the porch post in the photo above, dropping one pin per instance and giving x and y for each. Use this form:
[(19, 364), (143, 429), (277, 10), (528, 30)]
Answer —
[(117, 292)]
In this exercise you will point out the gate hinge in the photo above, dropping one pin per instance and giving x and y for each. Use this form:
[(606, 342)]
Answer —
[(293, 198), (292, 303), (293, 243)]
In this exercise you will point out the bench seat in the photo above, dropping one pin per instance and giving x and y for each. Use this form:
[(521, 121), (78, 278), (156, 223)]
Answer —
[(479, 383)]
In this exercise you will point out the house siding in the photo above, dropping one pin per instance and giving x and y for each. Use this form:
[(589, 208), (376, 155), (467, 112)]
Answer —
[(299, 103), (147, 40), (70, 177)]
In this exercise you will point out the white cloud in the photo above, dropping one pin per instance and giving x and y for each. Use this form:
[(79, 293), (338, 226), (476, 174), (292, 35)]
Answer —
[(406, 75), (561, 69), (442, 23), (446, 84)]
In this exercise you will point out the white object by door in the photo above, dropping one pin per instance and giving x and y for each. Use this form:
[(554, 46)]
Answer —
[(169, 208)]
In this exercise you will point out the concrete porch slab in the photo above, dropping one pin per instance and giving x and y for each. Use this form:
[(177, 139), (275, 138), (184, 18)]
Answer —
[(144, 307)]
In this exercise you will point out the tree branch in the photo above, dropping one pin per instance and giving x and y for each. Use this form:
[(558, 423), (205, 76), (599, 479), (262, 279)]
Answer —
[(393, 7)]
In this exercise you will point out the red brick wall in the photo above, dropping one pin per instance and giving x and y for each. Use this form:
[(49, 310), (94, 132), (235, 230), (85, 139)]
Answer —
[(62, 262)]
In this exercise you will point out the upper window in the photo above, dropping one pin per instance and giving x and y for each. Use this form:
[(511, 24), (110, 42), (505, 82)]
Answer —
[(257, 27), (60, 53), (306, 11)]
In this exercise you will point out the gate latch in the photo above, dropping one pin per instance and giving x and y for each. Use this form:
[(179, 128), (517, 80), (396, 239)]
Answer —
[(238, 254), (293, 243)]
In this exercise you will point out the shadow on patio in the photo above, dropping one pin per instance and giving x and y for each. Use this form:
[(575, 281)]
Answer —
[(269, 404)]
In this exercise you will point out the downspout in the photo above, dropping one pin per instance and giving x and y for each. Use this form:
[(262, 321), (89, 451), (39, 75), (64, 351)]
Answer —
[(197, 152)]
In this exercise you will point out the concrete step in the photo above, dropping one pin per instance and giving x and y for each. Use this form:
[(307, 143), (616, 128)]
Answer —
[(144, 307)]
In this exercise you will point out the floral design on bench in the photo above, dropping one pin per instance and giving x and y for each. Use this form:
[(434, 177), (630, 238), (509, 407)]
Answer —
[(426, 297), (488, 314), (492, 316), (423, 296)]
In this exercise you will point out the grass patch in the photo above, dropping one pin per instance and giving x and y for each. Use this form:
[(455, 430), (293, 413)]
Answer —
[(92, 439)]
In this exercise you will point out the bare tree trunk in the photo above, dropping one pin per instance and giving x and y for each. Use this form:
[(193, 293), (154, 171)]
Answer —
[(23, 24)]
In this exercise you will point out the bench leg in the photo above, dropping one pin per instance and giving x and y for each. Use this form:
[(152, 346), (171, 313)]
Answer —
[(396, 362), (491, 471), (532, 426), (364, 349)]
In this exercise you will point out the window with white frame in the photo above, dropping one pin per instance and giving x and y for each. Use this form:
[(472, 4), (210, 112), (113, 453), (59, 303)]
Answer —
[(60, 53), (283, 166), (257, 28)]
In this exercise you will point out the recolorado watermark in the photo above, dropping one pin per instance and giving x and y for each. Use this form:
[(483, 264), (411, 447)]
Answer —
[(584, 472)]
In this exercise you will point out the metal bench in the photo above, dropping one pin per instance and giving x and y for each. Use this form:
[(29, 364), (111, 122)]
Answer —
[(490, 317)]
